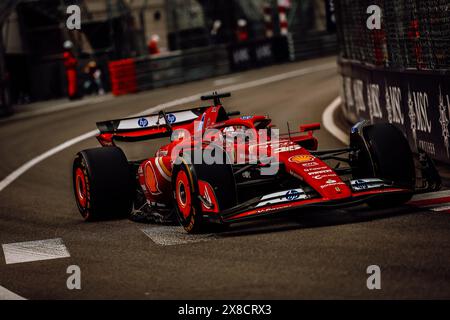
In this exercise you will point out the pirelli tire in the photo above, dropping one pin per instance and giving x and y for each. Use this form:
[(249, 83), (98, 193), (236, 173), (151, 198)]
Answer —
[(384, 152), (102, 184), (185, 177)]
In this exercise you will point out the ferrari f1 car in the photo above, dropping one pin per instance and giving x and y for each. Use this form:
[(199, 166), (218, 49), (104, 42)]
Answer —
[(377, 168)]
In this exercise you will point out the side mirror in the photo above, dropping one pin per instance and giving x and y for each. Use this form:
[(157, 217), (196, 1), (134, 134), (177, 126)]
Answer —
[(310, 127)]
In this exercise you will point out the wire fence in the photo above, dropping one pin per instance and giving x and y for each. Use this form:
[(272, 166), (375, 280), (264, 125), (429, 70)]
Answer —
[(415, 34)]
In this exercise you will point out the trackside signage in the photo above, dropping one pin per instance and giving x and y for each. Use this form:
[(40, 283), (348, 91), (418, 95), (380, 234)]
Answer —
[(417, 102)]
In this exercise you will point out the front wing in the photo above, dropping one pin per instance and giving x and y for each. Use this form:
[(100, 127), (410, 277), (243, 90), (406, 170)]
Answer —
[(297, 199)]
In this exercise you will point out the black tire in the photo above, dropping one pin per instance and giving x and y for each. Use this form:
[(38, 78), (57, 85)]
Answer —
[(385, 153), (219, 176), (107, 189)]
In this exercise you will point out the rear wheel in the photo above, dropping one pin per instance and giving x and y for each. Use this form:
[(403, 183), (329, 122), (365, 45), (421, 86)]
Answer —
[(102, 184), (186, 191), (384, 153)]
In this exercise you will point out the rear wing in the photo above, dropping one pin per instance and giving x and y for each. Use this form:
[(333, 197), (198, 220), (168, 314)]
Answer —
[(150, 121), (147, 127)]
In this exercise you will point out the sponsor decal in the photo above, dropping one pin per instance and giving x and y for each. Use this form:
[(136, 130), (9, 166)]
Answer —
[(143, 123), (332, 185), (358, 92), (287, 149), (171, 118), (314, 173), (246, 117), (348, 93), (393, 98), (151, 181), (366, 184), (201, 123), (241, 56), (315, 169), (246, 175), (263, 52), (418, 106), (331, 181), (373, 97), (444, 104), (301, 158), (269, 209), (360, 185), (282, 196), (310, 164), (321, 177), (292, 195)]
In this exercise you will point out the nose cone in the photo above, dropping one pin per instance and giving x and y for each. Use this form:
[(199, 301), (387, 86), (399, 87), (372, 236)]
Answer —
[(333, 189), (319, 176)]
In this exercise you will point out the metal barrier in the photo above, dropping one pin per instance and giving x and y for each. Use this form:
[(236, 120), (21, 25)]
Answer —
[(139, 74), (309, 46), (145, 73), (418, 102), (258, 53), (399, 74), (179, 67)]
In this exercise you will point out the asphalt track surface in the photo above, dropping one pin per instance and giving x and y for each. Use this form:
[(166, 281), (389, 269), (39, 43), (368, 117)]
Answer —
[(311, 255)]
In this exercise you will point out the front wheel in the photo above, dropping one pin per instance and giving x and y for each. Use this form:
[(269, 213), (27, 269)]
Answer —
[(187, 181), (383, 152)]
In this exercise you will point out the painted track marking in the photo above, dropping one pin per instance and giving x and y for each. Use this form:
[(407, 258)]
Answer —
[(237, 87), (5, 294), (171, 235), (31, 251), (225, 81)]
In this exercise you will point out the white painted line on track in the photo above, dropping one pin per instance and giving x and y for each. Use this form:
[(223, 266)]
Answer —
[(30, 164), (35, 251), (330, 125), (171, 236), (225, 81), (237, 87), (5, 294)]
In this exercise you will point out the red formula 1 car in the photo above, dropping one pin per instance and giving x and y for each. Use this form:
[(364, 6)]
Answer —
[(378, 168)]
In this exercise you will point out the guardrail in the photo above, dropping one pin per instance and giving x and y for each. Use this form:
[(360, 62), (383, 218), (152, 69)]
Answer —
[(418, 102), (308, 46), (145, 73)]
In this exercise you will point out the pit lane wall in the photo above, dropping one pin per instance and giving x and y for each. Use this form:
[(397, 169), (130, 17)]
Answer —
[(418, 102)]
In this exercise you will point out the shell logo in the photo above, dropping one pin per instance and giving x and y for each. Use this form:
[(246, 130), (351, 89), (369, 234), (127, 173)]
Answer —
[(301, 158), (151, 181)]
